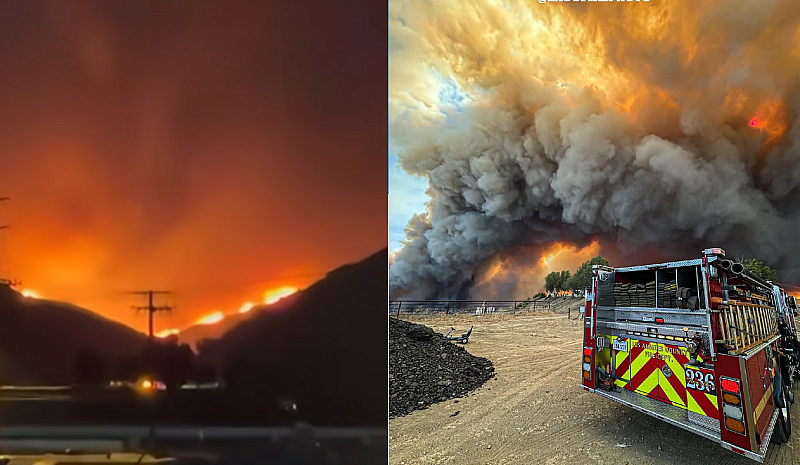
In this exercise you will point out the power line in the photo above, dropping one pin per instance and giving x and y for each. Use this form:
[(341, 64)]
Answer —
[(150, 308), (788, 285)]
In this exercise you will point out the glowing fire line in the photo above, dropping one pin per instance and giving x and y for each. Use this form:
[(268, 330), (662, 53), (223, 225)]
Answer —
[(270, 297)]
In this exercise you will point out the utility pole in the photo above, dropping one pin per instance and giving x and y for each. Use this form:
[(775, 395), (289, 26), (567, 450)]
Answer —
[(150, 308), (6, 281)]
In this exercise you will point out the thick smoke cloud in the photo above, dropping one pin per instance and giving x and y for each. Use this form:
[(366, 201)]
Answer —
[(639, 127)]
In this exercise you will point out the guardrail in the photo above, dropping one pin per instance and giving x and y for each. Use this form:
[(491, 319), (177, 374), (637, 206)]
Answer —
[(465, 307)]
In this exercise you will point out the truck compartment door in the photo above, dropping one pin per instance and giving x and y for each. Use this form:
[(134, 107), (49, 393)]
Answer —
[(671, 374), (644, 368)]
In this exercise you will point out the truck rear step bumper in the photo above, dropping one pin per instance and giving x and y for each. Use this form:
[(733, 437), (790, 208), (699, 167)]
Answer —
[(661, 410), (678, 417)]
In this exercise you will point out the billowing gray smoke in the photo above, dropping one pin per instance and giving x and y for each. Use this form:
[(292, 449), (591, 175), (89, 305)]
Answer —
[(531, 164)]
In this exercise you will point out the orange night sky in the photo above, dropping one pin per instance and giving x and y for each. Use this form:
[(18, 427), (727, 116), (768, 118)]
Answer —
[(215, 149)]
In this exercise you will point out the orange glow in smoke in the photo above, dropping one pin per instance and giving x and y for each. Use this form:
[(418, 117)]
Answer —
[(564, 256), (770, 117), (274, 295), (551, 257)]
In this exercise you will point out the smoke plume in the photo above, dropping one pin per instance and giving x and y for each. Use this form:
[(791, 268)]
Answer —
[(640, 126)]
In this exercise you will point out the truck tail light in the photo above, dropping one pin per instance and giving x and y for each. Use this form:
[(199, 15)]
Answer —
[(734, 425), (587, 363), (731, 399), (732, 405), (730, 385)]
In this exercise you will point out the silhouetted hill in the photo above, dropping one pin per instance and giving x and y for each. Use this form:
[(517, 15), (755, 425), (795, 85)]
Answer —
[(40, 339), (325, 348)]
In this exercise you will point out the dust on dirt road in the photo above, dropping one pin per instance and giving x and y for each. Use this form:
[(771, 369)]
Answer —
[(534, 412)]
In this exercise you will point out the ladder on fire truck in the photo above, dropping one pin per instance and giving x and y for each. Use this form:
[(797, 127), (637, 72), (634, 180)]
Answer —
[(745, 325)]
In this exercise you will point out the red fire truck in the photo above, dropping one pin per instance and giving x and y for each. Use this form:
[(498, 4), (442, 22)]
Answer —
[(702, 344)]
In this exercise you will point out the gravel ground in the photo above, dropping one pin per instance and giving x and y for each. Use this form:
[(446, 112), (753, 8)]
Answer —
[(533, 411), (425, 369)]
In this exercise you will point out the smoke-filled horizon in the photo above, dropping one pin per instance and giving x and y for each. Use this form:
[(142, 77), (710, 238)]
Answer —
[(653, 129), (197, 147)]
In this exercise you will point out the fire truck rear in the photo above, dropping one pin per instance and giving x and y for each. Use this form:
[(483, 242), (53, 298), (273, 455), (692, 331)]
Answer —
[(702, 344)]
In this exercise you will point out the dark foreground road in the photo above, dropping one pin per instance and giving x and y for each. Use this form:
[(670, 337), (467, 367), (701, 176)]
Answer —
[(190, 445), (38, 420)]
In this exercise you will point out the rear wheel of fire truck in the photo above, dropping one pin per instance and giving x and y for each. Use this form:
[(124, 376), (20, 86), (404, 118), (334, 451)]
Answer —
[(783, 426)]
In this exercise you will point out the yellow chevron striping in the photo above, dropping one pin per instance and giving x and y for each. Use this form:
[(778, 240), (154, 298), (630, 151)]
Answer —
[(649, 384), (647, 354), (676, 368), (670, 392), (695, 407)]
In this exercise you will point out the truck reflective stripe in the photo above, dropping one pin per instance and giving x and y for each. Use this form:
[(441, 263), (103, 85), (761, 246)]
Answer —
[(763, 403), (674, 386), (644, 368)]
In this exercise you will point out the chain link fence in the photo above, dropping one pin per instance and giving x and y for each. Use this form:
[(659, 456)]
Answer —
[(465, 307)]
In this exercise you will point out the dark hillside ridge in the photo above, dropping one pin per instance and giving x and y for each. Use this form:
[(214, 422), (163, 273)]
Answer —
[(324, 348)]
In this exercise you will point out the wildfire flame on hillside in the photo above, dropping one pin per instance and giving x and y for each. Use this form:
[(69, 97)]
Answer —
[(31, 294), (270, 297), (210, 319), (274, 295)]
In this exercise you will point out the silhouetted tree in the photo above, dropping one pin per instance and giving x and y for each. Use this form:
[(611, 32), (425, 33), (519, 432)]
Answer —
[(202, 374), (177, 365), (583, 275), (564, 281), (89, 367), (168, 361), (759, 269), (235, 372), (126, 369), (551, 281)]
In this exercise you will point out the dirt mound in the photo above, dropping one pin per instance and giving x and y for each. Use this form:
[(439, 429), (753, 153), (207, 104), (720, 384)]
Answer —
[(425, 369)]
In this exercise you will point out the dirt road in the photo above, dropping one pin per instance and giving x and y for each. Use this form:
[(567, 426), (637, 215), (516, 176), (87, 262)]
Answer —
[(534, 411)]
